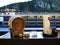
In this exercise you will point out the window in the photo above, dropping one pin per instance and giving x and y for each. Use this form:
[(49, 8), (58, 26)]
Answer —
[(51, 23), (58, 16), (31, 24), (51, 16), (39, 23), (25, 17), (6, 18), (1, 19), (0, 23), (6, 23)]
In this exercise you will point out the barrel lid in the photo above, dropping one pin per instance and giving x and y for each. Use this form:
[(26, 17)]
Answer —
[(18, 24)]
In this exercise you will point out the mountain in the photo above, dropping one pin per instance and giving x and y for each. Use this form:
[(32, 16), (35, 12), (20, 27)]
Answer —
[(35, 6), (47, 5)]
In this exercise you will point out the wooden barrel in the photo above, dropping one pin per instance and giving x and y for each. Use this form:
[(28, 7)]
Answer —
[(16, 25)]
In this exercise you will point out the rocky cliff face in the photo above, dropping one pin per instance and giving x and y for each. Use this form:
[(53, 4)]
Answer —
[(47, 4)]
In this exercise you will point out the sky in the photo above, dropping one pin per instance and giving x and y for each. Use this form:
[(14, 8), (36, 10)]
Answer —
[(6, 2)]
